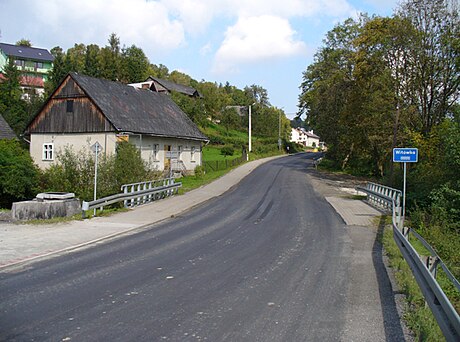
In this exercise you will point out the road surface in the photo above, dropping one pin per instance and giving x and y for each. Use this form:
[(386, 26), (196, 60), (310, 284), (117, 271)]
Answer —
[(270, 260)]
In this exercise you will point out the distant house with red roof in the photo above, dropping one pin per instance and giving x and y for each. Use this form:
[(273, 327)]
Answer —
[(34, 64)]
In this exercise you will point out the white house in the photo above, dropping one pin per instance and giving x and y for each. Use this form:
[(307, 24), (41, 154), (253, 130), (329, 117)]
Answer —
[(304, 137), (84, 110)]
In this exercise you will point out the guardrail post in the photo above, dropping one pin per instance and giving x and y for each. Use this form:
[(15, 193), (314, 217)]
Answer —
[(424, 269)]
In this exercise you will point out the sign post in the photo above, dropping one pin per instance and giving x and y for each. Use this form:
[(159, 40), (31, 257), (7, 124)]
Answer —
[(96, 148), (405, 155), (171, 155)]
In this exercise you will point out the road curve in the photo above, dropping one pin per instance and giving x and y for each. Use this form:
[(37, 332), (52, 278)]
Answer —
[(267, 261)]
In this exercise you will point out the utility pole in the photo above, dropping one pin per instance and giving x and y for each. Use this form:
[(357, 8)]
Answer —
[(279, 131), (249, 129)]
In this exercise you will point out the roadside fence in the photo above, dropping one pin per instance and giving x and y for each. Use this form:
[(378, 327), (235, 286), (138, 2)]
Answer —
[(136, 194), (424, 268), (217, 165)]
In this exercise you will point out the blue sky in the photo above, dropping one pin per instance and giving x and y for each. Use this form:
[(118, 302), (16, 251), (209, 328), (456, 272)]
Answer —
[(244, 42)]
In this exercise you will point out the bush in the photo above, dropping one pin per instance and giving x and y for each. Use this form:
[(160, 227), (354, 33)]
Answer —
[(18, 173), (199, 172), (74, 172), (227, 151)]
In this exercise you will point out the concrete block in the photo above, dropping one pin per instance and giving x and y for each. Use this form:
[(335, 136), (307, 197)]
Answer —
[(43, 209)]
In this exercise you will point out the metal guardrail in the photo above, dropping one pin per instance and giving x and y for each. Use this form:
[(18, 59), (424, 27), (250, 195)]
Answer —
[(383, 197), (317, 161), (153, 185), (136, 194), (424, 268)]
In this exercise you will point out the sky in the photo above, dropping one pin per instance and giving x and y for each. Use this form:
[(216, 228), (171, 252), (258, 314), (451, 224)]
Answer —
[(244, 42)]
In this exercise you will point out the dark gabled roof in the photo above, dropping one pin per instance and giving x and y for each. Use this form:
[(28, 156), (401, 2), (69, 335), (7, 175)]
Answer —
[(5, 130), (312, 135), (25, 52), (138, 110), (171, 86)]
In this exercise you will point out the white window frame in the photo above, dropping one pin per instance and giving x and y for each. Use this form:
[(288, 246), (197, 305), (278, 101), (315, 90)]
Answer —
[(155, 151), (48, 152), (179, 152), (192, 152)]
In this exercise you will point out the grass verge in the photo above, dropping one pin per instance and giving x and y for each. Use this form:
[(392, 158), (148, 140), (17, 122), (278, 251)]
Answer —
[(417, 316)]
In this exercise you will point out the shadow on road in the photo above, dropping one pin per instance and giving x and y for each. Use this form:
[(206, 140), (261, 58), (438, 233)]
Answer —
[(392, 320)]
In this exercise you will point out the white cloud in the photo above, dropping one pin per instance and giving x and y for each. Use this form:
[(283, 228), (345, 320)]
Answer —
[(261, 28), (206, 49), (196, 15), (139, 22), (254, 39)]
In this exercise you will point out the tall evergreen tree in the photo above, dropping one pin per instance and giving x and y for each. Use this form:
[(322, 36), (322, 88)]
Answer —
[(12, 107)]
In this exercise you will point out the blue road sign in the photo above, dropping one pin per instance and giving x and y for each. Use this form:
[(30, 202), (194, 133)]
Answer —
[(405, 155)]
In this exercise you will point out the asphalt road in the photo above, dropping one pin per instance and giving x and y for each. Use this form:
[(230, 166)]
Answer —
[(267, 261)]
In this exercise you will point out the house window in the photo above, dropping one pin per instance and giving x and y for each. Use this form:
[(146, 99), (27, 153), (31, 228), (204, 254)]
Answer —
[(156, 149), (179, 152), (69, 106), (193, 154), (20, 62), (38, 65), (48, 151)]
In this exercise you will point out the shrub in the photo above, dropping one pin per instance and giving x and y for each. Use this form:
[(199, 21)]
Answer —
[(227, 151), (74, 172), (199, 172), (18, 173)]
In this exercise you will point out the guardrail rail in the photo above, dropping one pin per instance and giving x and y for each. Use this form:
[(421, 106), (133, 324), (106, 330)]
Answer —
[(424, 268), (136, 194)]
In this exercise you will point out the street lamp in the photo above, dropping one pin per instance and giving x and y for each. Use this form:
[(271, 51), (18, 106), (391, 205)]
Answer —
[(249, 125), (279, 130), (249, 128)]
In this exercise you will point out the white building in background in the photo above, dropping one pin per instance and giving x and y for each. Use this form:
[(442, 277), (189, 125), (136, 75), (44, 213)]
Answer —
[(304, 137)]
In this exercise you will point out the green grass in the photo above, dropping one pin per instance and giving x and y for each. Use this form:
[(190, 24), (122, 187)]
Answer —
[(417, 316), (212, 153), (193, 182), (53, 220)]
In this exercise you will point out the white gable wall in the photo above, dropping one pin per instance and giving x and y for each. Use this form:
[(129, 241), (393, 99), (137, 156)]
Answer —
[(152, 148), (79, 142), (188, 158), (304, 138)]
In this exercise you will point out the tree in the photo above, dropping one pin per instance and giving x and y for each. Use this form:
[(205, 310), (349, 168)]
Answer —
[(24, 42), (382, 88), (180, 78), (230, 119), (76, 58), (214, 100), (325, 91), (12, 106), (18, 174), (59, 71), (435, 48), (258, 94), (190, 106), (92, 67), (110, 59), (160, 71), (134, 65)]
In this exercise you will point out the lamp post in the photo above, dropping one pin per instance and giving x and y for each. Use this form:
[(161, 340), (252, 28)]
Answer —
[(249, 129), (279, 130)]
